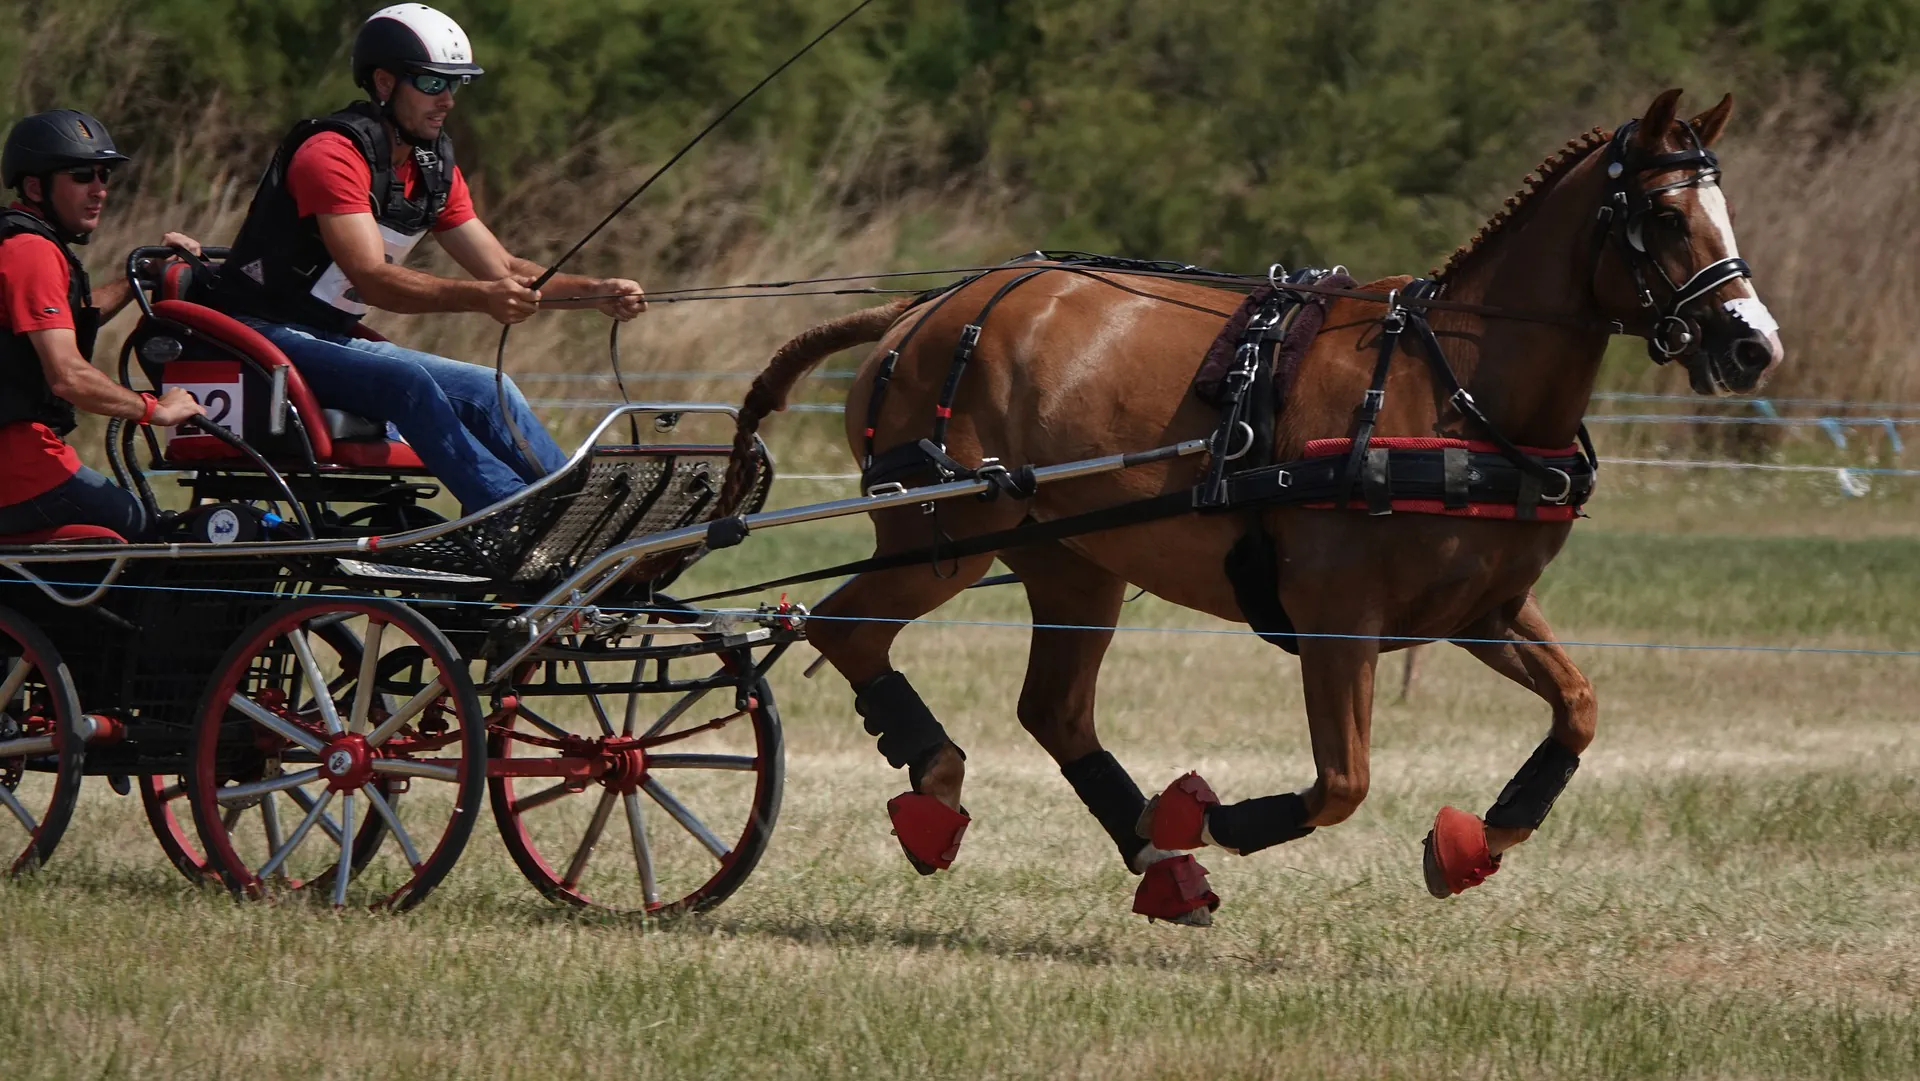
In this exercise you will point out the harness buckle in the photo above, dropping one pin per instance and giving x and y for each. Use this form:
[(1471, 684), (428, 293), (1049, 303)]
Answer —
[(1374, 402), (1566, 489), (892, 487), (1463, 401)]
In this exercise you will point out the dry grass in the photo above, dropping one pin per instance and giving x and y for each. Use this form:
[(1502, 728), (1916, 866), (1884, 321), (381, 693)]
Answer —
[(1725, 891)]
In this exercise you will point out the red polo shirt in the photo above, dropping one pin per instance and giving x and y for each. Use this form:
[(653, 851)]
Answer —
[(328, 176), (33, 296)]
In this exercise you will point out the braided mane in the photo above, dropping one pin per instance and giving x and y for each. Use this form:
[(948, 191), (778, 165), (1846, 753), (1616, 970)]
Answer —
[(1537, 181)]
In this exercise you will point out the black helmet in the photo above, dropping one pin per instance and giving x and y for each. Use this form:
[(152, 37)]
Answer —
[(48, 142), (411, 38)]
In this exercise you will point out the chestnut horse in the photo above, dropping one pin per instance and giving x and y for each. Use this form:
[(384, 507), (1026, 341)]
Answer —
[(1613, 234)]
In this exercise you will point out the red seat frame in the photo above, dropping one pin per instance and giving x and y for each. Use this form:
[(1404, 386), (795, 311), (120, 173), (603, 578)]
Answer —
[(381, 454), (64, 534)]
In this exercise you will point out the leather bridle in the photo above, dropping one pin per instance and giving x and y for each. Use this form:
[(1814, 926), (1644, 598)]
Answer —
[(1623, 217)]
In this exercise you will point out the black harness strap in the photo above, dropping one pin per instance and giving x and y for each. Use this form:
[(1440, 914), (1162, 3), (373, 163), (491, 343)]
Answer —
[(963, 353), (885, 375)]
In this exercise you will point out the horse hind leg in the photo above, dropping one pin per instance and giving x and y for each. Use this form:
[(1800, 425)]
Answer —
[(1075, 605), (1461, 850), (855, 627)]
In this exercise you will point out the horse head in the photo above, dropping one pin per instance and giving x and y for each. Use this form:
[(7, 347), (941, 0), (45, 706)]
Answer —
[(1667, 266)]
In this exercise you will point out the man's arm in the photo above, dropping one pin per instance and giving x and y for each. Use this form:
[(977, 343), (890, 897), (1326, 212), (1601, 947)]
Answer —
[(70, 376), (473, 246), (354, 242)]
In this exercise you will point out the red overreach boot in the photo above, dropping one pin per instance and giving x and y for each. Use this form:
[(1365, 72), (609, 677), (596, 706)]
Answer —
[(1174, 818), (1175, 889), (1457, 857), (929, 830)]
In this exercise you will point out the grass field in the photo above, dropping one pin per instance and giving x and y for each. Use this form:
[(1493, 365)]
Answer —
[(1728, 890)]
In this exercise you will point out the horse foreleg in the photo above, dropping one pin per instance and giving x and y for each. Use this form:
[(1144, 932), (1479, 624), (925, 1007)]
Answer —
[(1338, 675), (1517, 643), (854, 628), (1075, 605)]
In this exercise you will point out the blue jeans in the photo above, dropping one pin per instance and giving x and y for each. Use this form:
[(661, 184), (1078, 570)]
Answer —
[(86, 498), (448, 411)]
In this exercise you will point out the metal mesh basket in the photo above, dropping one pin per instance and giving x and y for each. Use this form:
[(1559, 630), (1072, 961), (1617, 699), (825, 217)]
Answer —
[(616, 494)]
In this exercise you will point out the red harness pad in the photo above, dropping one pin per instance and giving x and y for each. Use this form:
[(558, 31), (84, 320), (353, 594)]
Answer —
[(1327, 448)]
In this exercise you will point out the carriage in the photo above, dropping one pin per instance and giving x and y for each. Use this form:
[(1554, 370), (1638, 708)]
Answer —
[(315, 682)]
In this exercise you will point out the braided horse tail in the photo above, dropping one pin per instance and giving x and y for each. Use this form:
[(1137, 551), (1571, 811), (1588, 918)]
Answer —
[(789, 363)]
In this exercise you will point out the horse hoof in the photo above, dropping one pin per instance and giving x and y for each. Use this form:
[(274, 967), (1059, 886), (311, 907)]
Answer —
[(1175, 889), (1173, 820), (929, 831), (1456, 857)]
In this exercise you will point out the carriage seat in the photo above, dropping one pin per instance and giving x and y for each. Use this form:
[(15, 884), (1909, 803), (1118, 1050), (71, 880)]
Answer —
[(340, 440), (64, 534)]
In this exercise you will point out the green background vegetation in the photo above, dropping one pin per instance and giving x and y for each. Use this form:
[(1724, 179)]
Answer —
[(1357, 131)]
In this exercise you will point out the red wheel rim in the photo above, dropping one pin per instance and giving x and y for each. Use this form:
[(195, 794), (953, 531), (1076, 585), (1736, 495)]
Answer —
[(326, 755)]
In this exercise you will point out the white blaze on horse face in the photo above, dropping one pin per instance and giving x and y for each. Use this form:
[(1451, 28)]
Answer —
[(1746, 304)]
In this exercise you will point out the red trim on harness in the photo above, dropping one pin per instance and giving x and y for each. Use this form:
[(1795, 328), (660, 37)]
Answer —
[(943, 411), (1499, 511)]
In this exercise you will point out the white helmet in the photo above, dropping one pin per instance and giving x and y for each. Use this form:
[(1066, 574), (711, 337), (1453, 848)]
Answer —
[(410, 39)]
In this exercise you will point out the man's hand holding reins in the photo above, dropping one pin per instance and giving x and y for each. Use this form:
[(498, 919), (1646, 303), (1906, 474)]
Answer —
[(619, 298), (509, 300)]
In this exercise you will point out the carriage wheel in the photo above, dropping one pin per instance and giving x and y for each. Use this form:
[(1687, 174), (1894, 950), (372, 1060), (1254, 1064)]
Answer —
[(329, 754), (672, 795), (39, 723), (164, 797)]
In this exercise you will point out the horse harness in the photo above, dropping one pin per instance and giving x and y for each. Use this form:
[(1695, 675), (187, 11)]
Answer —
[(1494, 478)]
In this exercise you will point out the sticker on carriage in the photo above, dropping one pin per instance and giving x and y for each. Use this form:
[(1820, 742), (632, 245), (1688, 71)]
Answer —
[(223, 526), (217, 385)]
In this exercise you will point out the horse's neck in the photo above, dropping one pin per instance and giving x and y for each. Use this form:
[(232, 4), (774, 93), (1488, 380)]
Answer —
[(1534, 379)]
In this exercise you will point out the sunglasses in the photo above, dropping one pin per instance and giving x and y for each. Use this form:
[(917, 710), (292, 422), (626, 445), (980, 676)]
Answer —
[(435, 85), (86, 174)]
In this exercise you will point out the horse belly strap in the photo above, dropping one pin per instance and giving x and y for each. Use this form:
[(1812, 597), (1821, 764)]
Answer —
[(1420, 475)]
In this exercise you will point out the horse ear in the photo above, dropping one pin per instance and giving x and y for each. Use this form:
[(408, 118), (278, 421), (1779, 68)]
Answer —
[(1658, 119), (1714, 121)]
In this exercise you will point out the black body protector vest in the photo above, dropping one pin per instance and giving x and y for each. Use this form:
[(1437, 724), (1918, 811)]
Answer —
[(279, 269), (24, 394)]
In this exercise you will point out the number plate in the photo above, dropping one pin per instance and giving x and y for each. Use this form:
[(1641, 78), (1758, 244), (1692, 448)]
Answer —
[(215, 384)]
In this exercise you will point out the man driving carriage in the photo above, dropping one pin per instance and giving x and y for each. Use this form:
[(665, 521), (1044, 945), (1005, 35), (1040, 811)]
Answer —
[(343, 203), (59, 163)]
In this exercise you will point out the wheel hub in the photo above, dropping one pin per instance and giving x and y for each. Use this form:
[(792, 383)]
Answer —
[(626, 768), (347, 763)]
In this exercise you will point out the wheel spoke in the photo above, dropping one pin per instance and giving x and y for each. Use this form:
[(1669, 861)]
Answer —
[(405, 713), (676, 711), (316, 684), (299, 834), (687, 819), (543, 797), (173, 791), (363, 690), (737, 762), (385, 810), (230, 818), (632, 719), (238, 792), (594, 828), (270, 819), (280, 726), (16, 679), (19, 812), (542, 723), (343, 871), (642, 853), (593, 699), (327, 824)]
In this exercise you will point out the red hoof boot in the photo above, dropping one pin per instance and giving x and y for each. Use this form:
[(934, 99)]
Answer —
[(1175, 889), (929, 830), (1457, 858), (1174, 818)]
